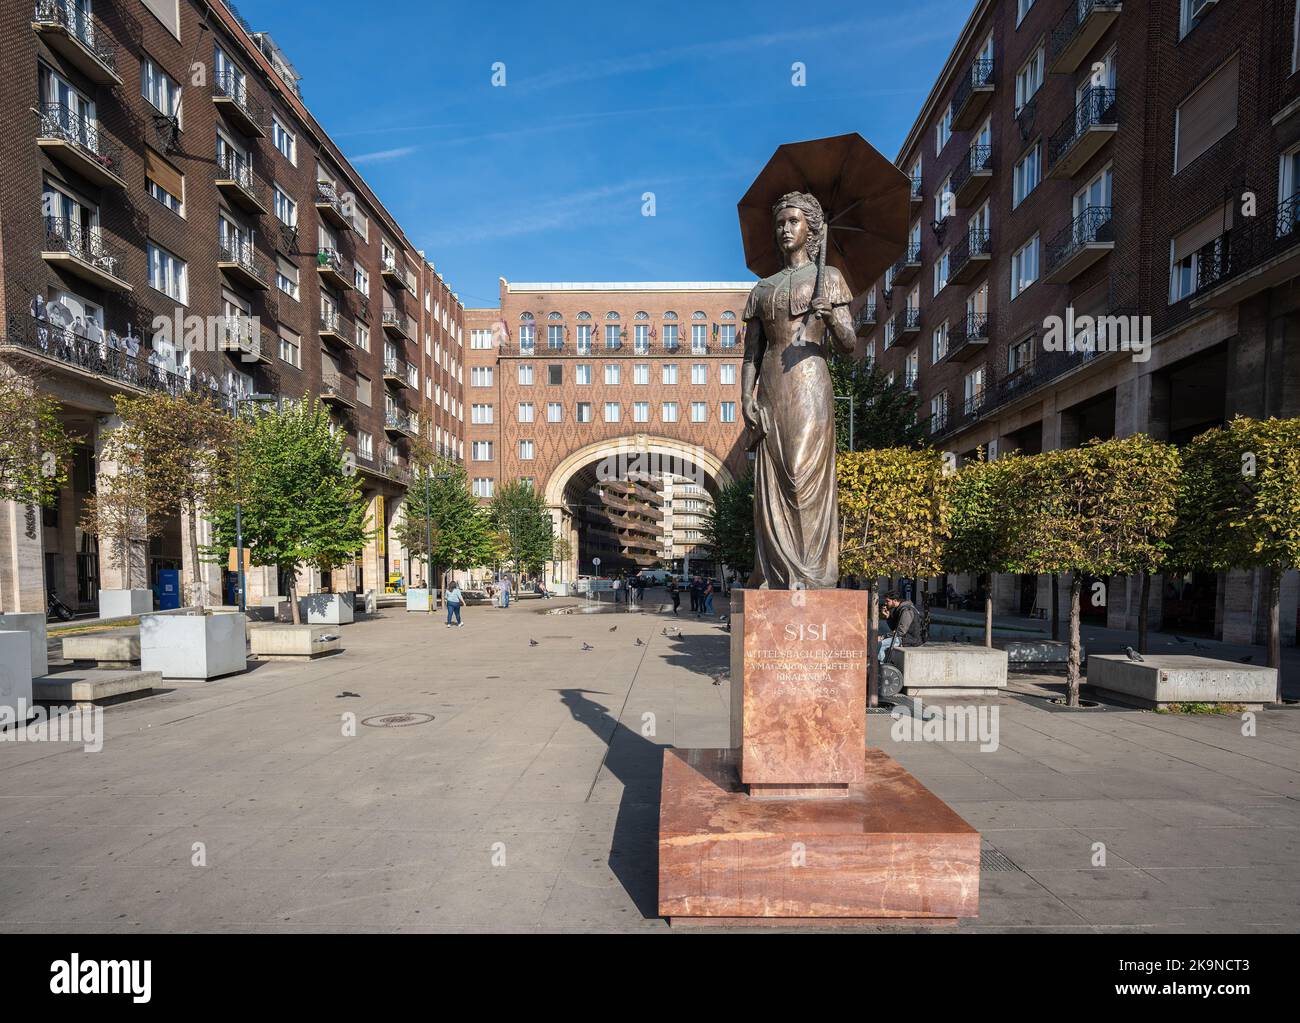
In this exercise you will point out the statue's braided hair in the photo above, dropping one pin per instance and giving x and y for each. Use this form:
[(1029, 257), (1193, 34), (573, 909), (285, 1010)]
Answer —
[(812, 211)]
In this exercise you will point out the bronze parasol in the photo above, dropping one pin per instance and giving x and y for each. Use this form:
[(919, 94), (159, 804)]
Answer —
[(864, 196)]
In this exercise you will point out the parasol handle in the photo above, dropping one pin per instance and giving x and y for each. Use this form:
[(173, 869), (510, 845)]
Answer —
[(801, 338)]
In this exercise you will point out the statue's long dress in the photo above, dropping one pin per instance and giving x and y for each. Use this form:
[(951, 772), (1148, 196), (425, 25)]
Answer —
[(796, 518)]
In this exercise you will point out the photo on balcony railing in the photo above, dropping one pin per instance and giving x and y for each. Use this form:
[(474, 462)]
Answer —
[(604, 469)]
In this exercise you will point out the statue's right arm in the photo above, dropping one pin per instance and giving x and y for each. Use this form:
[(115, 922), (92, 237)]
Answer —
[(755, 344)]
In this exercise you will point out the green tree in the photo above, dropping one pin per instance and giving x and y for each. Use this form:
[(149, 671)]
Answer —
[(123, 515), (895, 514), (1239, 507), (885, 415), (562, 552), (982, 540), (440, 504), (729, 526), (522, 519), (1106, 508), (300, 507)]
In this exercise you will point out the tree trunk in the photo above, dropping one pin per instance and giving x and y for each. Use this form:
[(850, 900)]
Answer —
[(988, 611), (873, 669), (1144, 598), (1072, 664), (196, 576), (293, 597), (1275, 624), (1056, 606)]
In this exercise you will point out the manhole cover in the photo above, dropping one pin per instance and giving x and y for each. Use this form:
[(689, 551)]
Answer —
[(397, 720), (992, 859)]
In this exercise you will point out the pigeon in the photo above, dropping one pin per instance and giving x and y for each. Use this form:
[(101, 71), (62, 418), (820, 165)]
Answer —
[(588, 646), (1247, 659), (1180, 639), (672, 633), (639, 642), (612, 628), (533, 642), (346, 693), (1133, 655)]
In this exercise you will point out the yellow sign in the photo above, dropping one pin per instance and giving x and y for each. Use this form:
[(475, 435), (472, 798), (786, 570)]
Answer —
[(232, 564), (381, 530)]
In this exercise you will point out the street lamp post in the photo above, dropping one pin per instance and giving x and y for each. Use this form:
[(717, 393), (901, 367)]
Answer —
[(239, 498)]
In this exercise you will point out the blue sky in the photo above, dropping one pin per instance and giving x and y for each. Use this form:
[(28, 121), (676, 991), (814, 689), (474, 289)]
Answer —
[(543, 179)]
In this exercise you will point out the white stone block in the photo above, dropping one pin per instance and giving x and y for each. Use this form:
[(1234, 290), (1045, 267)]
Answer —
[(327, 608), (1181, 678), (951, 668), (294, 642), (194, 646), (15, 675), (117, 649), (418, 600), (124, 603), (34, 624)]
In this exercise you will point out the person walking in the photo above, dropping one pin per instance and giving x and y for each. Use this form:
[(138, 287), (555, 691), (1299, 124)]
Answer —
[(618, 589), (675, 592), (453, 598), (708, 597), (505, 592)]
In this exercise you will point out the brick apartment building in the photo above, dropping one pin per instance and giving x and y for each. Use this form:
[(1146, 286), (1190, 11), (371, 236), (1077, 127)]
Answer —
[(615, 400), (159, 161), (1084, 158)]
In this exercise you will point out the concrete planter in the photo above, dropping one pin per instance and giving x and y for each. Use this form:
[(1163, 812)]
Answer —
[(327, 608), (34, 625), (418, 600), (194, 646), (1161, 679), (293, 642), (124, 603), (951, 669), (15, 677), (117, 649)]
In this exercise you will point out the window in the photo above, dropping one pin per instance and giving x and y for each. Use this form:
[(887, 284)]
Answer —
[(555, 336), (669, 412), (166, 183), (527, 338), (941, 271), (939, 343), (670, 373), (525, 451), (612, 338), (699, 337), (943, 130), (484, 486), (1096, 193), (525, 374), (1020, 355), (1029, 79), (480, 414), (285, 140), (973, 389), (365, 445), (1191, 13), (480, 339), (480, 376), (290, 347), (727, 411), (361, 281), (1024, 266), (229, 77), (1027, 173), (612, 412), (727, 335), (525, 412), (1207, 115), (582, 374), (168, 274), (584, 338), (612, 373), (699, 373), (286, 210), (554, 375), (670, 336), (160, 89), (939, 410), (1187, 249), (363, 337), (1022, 8), (554, 412), (912, 368), (641, 373), (584, 412), (641, 337), (640, 411), (944, 201), (727, 374), (481, 450), (699, 412), (286, 278)]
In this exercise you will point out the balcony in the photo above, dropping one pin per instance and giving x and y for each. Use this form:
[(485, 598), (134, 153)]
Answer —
[(79, 145), (334, 269), (971, 175), (972, 94), (938, 421), (864, 321), (331, 208), (93, 354), (970, 256), (1246, 260), (398, 423), (395, 372), (969, 338), (230, 95), (396, 469), (81, 251), (907, 323), (240, 263), (906, 269), (77, 37), (1082, 134), (398, 324), (241, 338), (1074, 36), (338, 391), (237, 182), (1088, 237), (396, 273), (335, 328), (916, 196)]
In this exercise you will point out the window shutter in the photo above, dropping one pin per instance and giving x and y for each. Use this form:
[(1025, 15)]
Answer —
[(1207, 114), (1202, 232), (163, 173)]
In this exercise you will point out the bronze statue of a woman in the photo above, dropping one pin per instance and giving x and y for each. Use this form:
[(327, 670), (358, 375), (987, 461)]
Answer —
[(789, 403)]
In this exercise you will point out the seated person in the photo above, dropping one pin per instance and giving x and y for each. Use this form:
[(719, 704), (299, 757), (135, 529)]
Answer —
[(903, 622)]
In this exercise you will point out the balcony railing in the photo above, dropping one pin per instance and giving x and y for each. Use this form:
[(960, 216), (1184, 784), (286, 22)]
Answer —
[(974, 170), (969, 336), (1096, 110), (398, 421), (333, 325), (241, 257), (330, 205), (85, 244), (103, 161), (1091, 229), (231, 91), (938, 421), (331, 265), (971, 251), (399, 323), (917, 195), (248, 188), (85, 38), (972, 93), (338, 389), (907, 267), (865, 318), (1255, 245), (1078, 30)]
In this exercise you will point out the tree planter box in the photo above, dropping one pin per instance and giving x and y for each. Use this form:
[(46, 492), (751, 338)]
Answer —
[(34, 625), (194, 646), (124, 603), (95, 687), (1161, 679), (117, 649), (294, 642), (327, 608), (418, 600), (15, 677), (951, 669)]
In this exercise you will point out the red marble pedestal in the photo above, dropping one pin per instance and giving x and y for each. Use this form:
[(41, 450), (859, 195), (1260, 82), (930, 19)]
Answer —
[(799, 823)]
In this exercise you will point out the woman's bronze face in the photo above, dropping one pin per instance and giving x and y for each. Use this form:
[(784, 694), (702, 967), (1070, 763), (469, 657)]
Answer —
[(791, 230)]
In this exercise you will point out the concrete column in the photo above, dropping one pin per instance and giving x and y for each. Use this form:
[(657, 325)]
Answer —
[(111, 575), (1121, 595), (397, 551), (1006, 593), (22, 559), (373, 567)]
